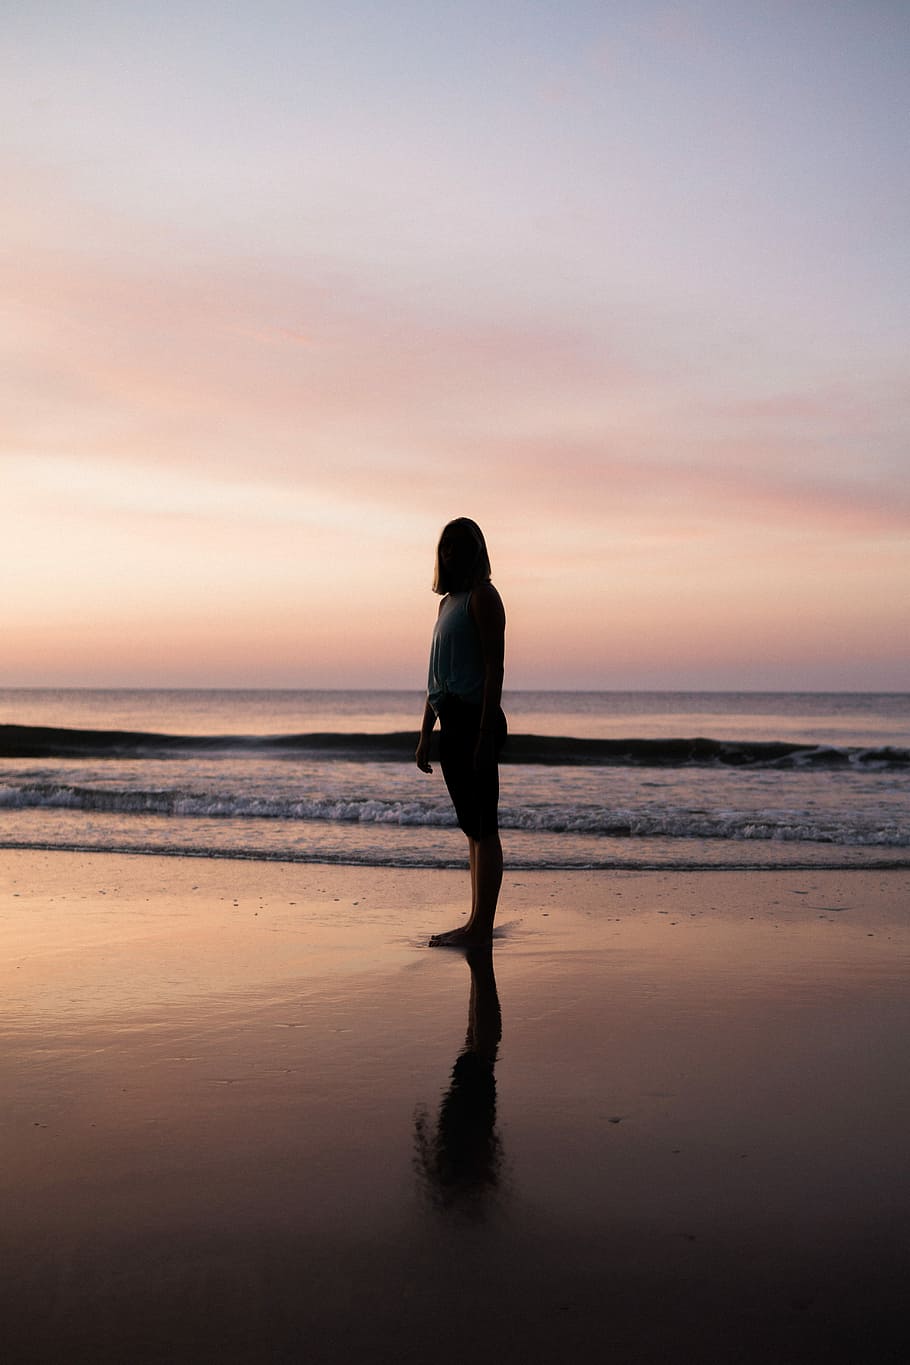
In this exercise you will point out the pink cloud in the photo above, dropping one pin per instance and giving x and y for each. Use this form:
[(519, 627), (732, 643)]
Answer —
[(268, 373), (592, 482), (253, 368)]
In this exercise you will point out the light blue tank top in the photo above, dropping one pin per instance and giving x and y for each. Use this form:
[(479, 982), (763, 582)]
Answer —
[(456, 659)]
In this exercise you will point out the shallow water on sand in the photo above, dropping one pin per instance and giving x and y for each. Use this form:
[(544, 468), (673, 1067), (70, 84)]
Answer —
[(236, 1127)]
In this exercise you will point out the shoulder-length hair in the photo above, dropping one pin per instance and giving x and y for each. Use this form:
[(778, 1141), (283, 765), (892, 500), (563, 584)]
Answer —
[(477, 566)]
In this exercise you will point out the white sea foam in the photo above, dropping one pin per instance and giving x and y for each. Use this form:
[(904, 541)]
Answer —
[(656, 822)]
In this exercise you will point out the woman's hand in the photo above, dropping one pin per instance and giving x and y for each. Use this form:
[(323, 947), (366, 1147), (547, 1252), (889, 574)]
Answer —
[(422, 756)]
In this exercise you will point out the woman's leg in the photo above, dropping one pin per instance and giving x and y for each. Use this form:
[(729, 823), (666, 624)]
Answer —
[(486, 879), (472, 858), (475, 795)]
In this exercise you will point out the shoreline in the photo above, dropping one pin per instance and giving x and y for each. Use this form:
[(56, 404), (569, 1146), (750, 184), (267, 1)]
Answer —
[(237, 1126), (871, 863)]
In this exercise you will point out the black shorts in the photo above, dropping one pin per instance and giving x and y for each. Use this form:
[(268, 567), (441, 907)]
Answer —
[(474, 791)]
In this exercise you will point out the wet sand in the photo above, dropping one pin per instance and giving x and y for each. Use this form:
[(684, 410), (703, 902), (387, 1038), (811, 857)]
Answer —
[(235, 1125)]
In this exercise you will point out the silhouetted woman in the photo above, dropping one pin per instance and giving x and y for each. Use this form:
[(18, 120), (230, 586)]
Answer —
[(464, 690)]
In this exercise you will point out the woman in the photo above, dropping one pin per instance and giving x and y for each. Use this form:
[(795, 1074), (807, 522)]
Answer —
[(464, 691)]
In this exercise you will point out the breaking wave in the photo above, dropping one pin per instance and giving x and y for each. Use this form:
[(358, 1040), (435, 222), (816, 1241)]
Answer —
[(787, 825), (32, 741)]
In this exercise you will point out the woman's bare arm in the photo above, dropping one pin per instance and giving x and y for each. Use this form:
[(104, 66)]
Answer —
[(426, 729), (423, 743)]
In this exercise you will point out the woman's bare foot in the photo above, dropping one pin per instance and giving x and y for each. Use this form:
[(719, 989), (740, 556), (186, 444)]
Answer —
[(468, 936)]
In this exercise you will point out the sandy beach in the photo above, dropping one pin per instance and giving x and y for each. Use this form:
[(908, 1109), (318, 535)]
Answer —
[(234, 1128)]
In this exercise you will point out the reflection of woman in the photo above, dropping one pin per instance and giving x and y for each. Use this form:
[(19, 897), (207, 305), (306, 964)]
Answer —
[(464, 691), (460, 1161)]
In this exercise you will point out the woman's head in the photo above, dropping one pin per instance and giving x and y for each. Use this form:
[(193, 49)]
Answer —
[(462, 560)]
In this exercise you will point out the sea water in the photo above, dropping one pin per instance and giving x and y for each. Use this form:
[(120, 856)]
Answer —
[(588, 779)]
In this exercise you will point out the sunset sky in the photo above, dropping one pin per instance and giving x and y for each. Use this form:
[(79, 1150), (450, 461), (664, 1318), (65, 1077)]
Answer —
[(288, 285)]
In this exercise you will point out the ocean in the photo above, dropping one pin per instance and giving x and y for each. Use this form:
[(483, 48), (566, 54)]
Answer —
[(588, 780)]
